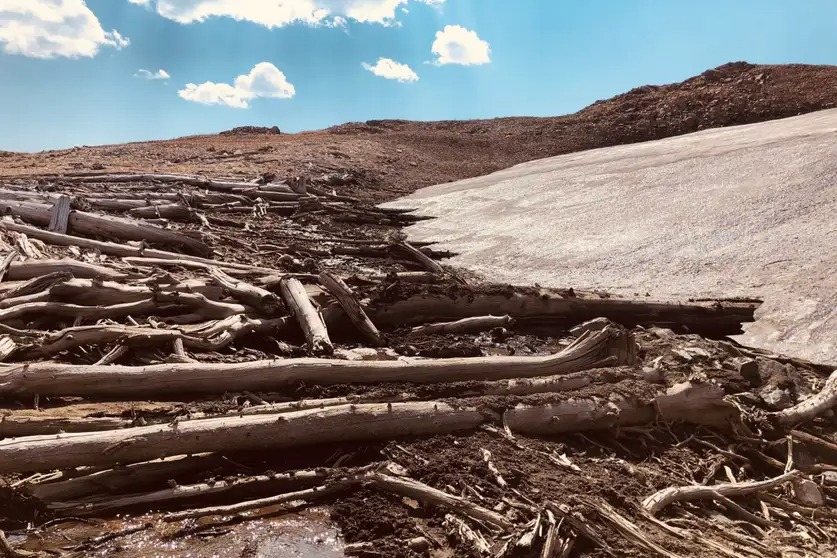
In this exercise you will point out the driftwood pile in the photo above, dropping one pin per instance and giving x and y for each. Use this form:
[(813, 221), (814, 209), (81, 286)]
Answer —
[(280, 318)]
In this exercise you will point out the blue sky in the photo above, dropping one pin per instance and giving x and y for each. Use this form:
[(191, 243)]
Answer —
[(69, 68)]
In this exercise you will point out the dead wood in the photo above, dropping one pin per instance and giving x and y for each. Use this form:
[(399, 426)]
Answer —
[(174, 495), (47, 378), (73, 337), (93, 292), (430, 496), (17, 425), (263, 300), (34, 269), (301, 428), (83, 223), (696, 403), (60, 215), (460, 529), (6, 262), (561, 310), (659, 500), (123, 478), (630, 530), (176, 211), (420, 257), (811, 407), (477, 323), (341, 291), (313, 327), (116, 249), (44, 283)]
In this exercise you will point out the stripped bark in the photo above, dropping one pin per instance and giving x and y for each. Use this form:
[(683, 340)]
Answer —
[(341, 291), (47, 378), (313, 327), (302, 428), (60, 215), (34, 269), (44, 283)]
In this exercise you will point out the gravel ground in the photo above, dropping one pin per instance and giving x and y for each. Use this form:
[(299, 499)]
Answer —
[(744, 211)]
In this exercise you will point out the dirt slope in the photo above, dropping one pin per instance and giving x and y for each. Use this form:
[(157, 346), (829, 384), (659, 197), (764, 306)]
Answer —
[(389, 158)]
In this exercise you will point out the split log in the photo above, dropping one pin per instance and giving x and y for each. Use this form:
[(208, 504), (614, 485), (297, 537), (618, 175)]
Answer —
[(175, 211), (459, 528), (263, 300), (83, 223), (165, 497), (811, 407), (60, 215), (599, 349), (33, 269), (556, 309), (341, 291), (90, 292), (259, 432), (477, 323), (119, 250), (313, 327), (659, 500), (696, 403)]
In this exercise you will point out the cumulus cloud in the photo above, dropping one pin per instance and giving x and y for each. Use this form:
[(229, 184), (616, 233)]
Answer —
[(388, 68), (456, 45), (264, 80), (278, 13), (146, 74), (53, 28)]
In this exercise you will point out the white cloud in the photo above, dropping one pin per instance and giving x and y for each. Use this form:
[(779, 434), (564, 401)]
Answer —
[(278, 13), (456, 45), (145, 74), (388, 68), (53, 28), (264, 80)]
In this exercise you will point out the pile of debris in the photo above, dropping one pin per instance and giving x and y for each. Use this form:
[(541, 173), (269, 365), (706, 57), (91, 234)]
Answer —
[(296, 350), (252, 130)]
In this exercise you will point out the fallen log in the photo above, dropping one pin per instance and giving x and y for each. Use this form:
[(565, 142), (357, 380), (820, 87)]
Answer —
[(60, 214), (124, 477), (346, 423), (120, 250), (102, 293), (98, 505), (6, 262), (44, 283), (341, 291), (477, 323), (556, 309), (602, 348), (313, 327), (811, 407), (33, 269), (82, 223), (14, 426), (261, 299)]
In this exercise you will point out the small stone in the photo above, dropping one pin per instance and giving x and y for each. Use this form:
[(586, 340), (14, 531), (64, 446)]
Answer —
[(418, 544), (652, 374), (662, 332), (807, 493), (748, 368)]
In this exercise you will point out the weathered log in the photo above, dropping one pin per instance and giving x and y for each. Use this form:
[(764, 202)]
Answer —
[(6, 262), (44, 283), (341, 291), (313, 327), (604, 348), (421, 258), (119, 250), (563, 310), (261, 299), (17, 425), (165, 497), (477, 323), (176, 211), (33, 269), (811, 407), (347, 423), (83, 223), (694, 403), (659, 500), (90, 292), (73, 337), (60, 215), (124, 477)]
